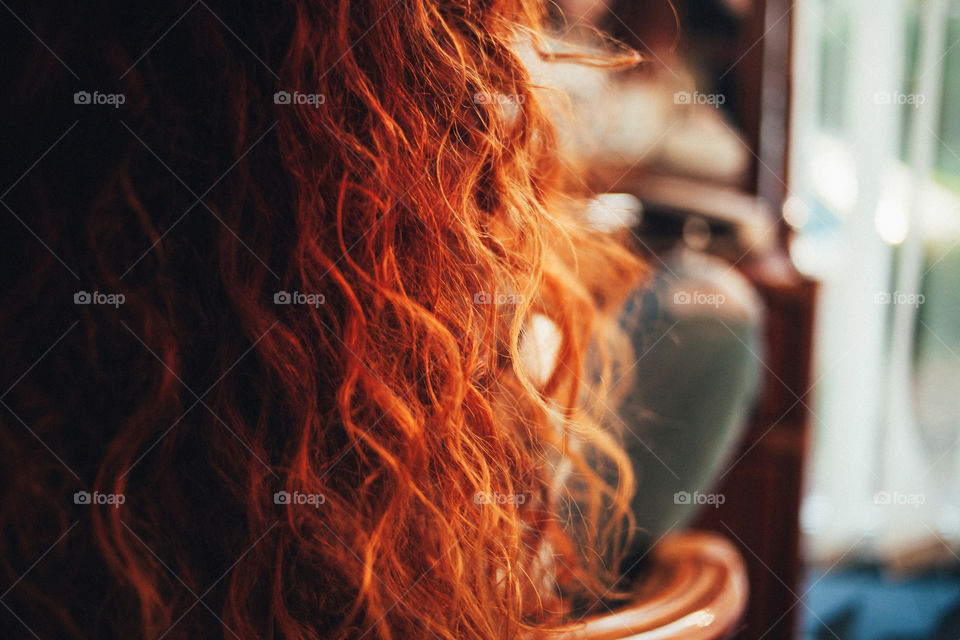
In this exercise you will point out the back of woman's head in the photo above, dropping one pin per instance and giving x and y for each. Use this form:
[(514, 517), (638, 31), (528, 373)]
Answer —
[(269, 271)]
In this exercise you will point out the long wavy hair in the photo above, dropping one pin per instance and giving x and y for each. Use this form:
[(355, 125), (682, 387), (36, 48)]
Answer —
[(263, 325)]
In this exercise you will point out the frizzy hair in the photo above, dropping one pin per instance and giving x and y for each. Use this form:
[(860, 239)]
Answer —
[(422, 203)]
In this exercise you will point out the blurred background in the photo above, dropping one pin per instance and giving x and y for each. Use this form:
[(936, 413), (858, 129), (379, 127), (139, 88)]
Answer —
[(792, 172)]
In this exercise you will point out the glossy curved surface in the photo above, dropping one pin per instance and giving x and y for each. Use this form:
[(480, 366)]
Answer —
[(695, 589)]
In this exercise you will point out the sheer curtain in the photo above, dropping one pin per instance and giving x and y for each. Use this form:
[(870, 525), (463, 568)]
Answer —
[(867, 108)]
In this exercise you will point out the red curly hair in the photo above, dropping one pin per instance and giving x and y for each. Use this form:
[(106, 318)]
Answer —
[(375, 463)]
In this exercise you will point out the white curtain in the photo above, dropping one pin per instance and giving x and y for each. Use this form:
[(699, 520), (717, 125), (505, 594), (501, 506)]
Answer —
[(862, 208)]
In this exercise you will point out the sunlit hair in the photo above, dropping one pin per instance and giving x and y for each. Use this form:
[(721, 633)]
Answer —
[(422, 204)]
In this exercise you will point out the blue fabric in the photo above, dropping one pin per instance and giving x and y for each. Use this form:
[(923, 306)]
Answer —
[(863, 604)]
